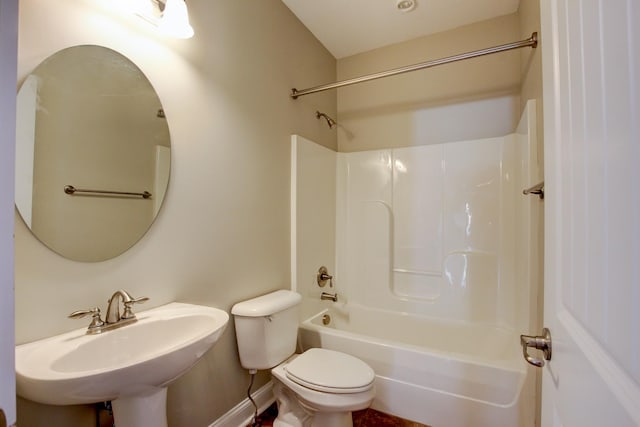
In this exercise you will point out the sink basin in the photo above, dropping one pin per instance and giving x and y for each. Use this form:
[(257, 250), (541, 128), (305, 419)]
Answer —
[(135, 361)]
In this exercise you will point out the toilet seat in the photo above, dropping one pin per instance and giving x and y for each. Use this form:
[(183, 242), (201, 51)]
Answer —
[(321, 401), (330, 372)]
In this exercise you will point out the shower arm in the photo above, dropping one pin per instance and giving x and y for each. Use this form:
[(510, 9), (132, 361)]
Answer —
[(329, 120), (530, 42)]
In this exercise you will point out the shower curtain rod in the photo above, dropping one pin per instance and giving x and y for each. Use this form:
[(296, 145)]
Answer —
[(530, 42)]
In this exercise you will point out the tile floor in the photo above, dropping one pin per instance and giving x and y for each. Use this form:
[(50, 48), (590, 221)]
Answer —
[(365, 418)]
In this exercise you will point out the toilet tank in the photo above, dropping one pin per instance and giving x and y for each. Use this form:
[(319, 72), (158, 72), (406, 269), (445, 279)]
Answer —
[(267, 328)]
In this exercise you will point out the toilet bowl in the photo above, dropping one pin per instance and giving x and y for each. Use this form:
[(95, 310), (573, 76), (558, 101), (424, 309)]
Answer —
[(326, 385), (318, 388)]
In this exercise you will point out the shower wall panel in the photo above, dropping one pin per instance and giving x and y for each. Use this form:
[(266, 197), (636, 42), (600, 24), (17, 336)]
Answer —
[(431, 230), (313, 213)]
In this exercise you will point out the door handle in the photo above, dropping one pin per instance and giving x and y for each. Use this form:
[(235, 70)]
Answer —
[(540, 342)]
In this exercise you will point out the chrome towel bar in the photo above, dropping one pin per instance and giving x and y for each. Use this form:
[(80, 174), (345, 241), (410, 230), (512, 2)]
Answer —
[(71, 190), (537, 189)]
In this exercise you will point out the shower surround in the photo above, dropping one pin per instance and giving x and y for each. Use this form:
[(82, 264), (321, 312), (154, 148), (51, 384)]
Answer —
[(427, 235), (432, 230)]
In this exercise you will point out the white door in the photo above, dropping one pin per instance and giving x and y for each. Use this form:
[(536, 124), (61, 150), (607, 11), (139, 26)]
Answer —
[(8, 69), (591, 68)]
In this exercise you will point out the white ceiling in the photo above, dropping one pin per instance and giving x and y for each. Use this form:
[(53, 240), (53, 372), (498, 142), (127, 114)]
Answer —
[(347, 27)]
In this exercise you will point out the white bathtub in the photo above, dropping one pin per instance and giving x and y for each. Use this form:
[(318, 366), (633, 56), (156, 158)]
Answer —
[(436, 373)]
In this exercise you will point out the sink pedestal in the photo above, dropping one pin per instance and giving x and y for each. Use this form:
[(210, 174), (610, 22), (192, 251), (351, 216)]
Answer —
[(141, 411)]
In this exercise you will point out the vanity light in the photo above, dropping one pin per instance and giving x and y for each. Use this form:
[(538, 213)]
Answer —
[(175, 20), (170, 16)]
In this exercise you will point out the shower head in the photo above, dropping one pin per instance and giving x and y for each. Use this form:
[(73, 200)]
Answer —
[(329, 120)]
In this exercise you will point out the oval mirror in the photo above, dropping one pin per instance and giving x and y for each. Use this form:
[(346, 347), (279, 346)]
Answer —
[(89, 120)]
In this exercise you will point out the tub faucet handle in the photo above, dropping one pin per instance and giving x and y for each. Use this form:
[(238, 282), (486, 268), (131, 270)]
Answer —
[(322, 277)]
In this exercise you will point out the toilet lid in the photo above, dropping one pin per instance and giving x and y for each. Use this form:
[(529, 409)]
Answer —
[(330, 371)]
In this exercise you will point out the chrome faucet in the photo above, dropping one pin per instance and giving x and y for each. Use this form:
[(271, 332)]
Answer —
[(326, 296), (113, 319), (113, 309)]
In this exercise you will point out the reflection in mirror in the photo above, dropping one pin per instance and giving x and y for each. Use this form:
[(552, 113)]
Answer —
[(89, 118)]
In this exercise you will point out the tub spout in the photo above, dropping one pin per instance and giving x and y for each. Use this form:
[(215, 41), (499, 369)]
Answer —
[(326, 296)]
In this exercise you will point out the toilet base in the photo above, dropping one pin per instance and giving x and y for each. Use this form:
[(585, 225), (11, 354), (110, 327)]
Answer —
[(293, 413), (337, 419), (324, 420), (290, 412)]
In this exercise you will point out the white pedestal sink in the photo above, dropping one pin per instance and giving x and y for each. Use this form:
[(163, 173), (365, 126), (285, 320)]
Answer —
[(131, 366)]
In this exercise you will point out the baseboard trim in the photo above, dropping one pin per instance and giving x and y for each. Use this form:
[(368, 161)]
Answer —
[(242, 414)]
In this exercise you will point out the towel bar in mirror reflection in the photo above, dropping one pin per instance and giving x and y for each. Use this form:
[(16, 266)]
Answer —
[(71, 190)]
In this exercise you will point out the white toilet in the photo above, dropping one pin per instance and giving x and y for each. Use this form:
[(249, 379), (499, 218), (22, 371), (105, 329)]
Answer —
[(319, 387)]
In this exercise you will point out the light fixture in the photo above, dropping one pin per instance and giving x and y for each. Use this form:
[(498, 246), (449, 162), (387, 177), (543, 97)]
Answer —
[(175, 20), (405, 5), (169, 16)]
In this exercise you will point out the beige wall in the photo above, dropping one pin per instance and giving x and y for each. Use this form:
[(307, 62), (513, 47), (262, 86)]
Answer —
[(531, 88), (531, 61), (223, 234), (471, 99)]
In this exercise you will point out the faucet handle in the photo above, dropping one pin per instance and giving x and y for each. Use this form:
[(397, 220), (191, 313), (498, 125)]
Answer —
[(128, 314), (322, 277), (96, 321)]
